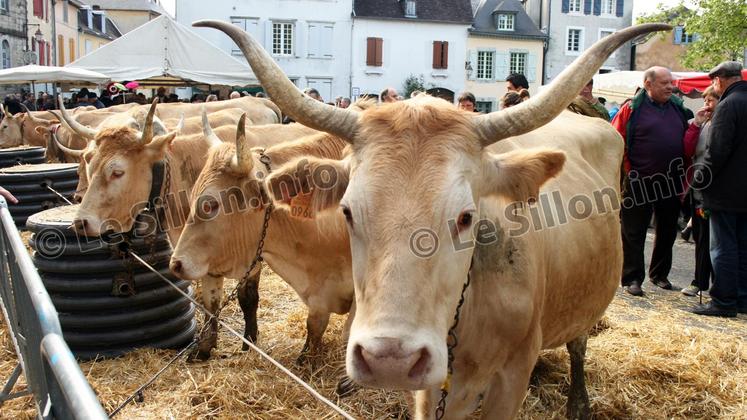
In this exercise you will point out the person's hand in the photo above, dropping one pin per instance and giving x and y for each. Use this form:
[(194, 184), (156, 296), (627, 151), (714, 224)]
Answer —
[(8, 196), (702, 116)]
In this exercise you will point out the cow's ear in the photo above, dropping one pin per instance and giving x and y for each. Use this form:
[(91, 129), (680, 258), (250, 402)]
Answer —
[(518, 175), (159, 144), (41, 130), (309, 182)]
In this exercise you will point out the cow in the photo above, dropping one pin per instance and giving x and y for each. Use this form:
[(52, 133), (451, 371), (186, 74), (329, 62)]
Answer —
[(453, 300)]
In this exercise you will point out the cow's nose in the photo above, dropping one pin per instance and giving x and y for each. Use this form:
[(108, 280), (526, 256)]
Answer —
[(386, 362), (176, 267), (77, 198), (80, 225)]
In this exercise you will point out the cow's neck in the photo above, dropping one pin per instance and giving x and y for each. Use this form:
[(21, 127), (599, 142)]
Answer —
[(184, 160)]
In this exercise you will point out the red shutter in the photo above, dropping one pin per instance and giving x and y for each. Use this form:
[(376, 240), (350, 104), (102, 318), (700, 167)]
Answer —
[(49, 54), (445, 55), (436, 54), (379, 51), (42, 57), (371, 51), (39, 8)]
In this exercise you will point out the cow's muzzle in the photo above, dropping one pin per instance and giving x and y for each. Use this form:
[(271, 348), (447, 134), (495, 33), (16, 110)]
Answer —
[(386, 362)]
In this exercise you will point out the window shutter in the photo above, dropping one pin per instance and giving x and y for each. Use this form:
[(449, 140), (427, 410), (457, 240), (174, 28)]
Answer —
[(39, 8), (678, 35), (268, 36), (445, 55), (531, 68), (502, 66), (327, 40), (436, 54), (60, 50), (620, 8), (472, 55), (564, 6), (379, 52), (298, 38), (314, 40), (587, 7), (597, 7), (371, 51), (49, 53)]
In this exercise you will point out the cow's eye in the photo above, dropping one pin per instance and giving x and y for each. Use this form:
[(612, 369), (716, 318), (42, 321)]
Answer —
[(464, 221), (117, 173), (348, 214)]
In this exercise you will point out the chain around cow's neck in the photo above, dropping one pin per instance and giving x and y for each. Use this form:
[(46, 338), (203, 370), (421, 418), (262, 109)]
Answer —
[(451, 343)]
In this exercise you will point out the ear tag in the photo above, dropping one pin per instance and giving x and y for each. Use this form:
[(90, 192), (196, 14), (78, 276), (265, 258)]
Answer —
[(300, 207)]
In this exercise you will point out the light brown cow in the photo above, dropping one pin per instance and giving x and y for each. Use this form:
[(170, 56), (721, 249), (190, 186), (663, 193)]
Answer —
[(424, 178)]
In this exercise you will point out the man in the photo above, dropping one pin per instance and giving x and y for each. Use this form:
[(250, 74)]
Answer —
[(516, 82), (722, 180), (82, 98), (467, 101), (314, 94), (234, 95), (652, 125), (586, 104), (344, 102), (389, 95), (93, 100)]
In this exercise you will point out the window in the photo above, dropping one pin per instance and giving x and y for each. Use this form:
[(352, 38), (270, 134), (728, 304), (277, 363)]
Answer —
[(604, 32), (608, 7), (682, 37), (282, 38), (440, 54), (574, 6), (485, 64), (484, 107), (323, 86), (518, 63), (410, 10), (686, 38), (374, 47), (574, 41), (88, 46), (247, 24), (505, 22), (60, 50), (72, 49), (39, 8), (4, 5), (321, 40), (6, 54), (64, 11)]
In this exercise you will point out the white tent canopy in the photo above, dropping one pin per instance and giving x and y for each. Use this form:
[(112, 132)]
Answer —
[(163, 50), (50, 74), (620, 85)]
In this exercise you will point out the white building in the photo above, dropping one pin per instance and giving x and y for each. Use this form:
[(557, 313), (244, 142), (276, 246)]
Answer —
[(574, 25), (309, 39), (396, 39)]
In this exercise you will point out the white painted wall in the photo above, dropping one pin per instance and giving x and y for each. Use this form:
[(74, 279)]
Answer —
[(314, 62), (408, 49)]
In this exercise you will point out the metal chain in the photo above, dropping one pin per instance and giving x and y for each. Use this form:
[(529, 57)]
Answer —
[(451, 343)]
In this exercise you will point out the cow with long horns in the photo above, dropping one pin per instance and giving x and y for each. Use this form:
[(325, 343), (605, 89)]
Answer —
[(454, 295)]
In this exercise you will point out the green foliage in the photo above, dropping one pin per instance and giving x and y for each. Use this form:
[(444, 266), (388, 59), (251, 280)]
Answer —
[(720, 27), (413, 83)]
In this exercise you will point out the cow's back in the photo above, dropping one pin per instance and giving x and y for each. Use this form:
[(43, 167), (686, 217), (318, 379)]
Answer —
[(579, 253)]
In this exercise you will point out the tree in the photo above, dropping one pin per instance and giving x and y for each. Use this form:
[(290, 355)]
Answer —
[(719, 27), (411, 84)]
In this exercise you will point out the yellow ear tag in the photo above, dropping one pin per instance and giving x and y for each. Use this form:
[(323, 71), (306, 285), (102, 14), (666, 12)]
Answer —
[(300, 207), (446, 385)]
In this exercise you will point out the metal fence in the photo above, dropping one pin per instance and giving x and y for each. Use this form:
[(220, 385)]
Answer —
[(53, 376)]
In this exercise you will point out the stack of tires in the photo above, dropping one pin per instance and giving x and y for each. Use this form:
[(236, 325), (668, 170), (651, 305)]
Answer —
[(31, 184), (109, 304), (21, 155)]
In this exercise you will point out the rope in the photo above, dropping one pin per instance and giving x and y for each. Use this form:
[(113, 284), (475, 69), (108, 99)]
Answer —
[(251, 345), (60, 195)]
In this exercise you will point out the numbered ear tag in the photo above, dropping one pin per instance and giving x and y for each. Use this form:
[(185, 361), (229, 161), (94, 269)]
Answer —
[(300, 207)]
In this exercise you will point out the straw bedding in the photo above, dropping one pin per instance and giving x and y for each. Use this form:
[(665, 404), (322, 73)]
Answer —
[(649, 363)]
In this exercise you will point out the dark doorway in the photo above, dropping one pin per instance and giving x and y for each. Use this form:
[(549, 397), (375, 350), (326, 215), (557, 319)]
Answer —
[(442, 93)]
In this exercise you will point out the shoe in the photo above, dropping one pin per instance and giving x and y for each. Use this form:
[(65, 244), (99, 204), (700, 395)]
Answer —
[(711, 309), (686, 233), (691, 290), (663, 283), (634, 288)]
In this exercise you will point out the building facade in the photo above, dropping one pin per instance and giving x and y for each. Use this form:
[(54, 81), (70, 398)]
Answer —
[(665, 49), (309, 39), (393, 40), (503, 40), (40, 31), (66, 22), (574, 25), (95, 29), (12, 37), (129, 14)]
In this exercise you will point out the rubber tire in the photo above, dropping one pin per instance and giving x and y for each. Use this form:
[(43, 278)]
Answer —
[(81, 265), (147, 299), (143, 279), (91, 246), (26, 177), (76, 321), (65, 184)]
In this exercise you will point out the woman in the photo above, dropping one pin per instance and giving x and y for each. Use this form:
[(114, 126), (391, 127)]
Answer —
[(514, 98), (695, 146)]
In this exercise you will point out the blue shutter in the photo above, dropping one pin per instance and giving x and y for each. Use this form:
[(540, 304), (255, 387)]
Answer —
[(587, 7), (620, 8), (531, 68), (502, 66), (564, 6), (678, 35), (597, 7)]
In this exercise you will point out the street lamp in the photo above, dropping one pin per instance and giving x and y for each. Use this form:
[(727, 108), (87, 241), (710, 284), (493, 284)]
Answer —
[(38, 35)]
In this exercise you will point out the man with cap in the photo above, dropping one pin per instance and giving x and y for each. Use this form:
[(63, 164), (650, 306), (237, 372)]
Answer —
[(722, 180)]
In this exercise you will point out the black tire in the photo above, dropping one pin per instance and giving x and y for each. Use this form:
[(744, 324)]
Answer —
[(7, 163), (89, 247), (74, 322), (13, 152), (7, 176), (42, 194), (83, 265), (147, 299), (102, 284), (64, 184)]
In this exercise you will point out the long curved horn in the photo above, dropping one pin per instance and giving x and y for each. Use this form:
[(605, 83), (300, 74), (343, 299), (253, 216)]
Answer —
[(148, 127), (207, 131), (32, 117), (83, 131), (180, 125), (548, 104), (307, 111), (243, 161), (68, 151)]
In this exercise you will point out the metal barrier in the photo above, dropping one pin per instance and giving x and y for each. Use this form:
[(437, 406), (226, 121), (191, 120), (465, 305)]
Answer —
[(53, 376)]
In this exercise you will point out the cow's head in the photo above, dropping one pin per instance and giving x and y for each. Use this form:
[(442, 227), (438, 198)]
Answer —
[(11, 129), (418, 171), (119, 170)]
